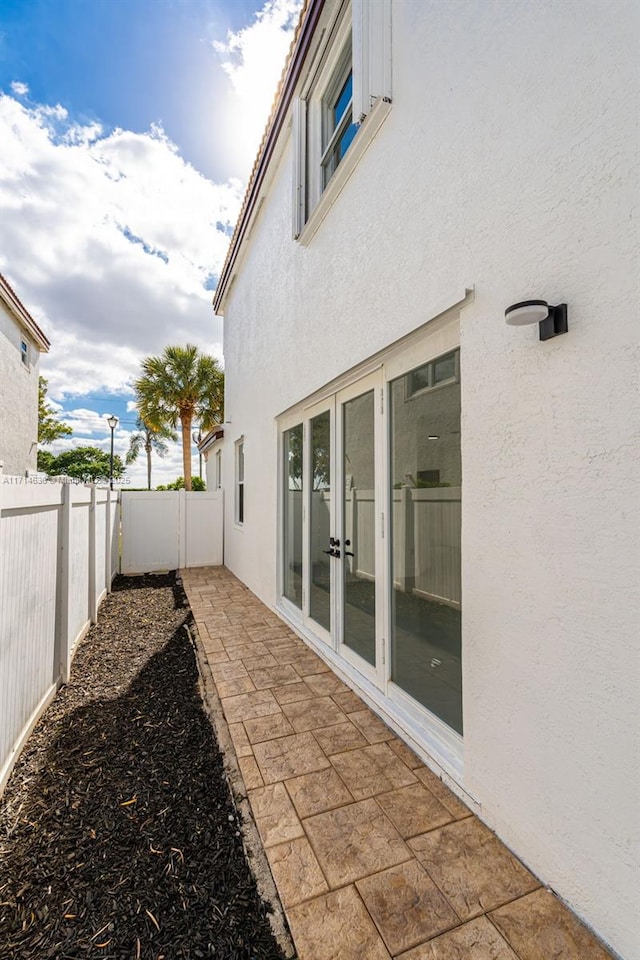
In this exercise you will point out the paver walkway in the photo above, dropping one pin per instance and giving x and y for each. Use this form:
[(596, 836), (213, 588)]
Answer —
[(372, 854)]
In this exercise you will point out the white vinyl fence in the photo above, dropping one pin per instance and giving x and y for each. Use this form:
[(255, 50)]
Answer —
[(58, 556), (170, 529)]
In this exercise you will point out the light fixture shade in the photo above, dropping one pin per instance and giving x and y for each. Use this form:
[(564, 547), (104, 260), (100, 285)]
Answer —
[(112, 421), (526, 312)]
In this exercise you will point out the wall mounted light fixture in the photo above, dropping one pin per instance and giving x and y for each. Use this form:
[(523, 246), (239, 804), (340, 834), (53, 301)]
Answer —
[(552, 321)]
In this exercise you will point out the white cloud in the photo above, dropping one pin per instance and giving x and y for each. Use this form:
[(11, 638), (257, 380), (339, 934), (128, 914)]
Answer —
[(253, 59), (20, 89), (110, 240)]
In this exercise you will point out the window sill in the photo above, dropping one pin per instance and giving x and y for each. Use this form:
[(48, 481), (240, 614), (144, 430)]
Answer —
[(366, 134)]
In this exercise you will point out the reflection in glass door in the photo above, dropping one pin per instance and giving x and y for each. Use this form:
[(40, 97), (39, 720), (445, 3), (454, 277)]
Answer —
[(426, 521), (292, 534), (320, 520), (358, 534)]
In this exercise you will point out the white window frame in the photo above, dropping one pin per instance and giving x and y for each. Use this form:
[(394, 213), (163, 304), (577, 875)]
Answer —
[(240, 500), (24, 353), (360, 34)]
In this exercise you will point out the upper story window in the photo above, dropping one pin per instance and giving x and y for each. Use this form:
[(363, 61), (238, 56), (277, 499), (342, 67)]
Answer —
[(24, 352), (348, 83), (339, 128)]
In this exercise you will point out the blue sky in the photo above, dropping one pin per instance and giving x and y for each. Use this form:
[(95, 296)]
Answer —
[(129, 63), (127, 129)]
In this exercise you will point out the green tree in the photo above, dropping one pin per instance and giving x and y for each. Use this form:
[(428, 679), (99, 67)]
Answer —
[(181, 386), (89, 464), (197, 484), (149, 440), (49, 427)]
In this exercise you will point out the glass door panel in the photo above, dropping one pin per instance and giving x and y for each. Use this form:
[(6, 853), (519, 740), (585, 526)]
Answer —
[(292, 534), (425, 524), (320, 520), (358, 513)]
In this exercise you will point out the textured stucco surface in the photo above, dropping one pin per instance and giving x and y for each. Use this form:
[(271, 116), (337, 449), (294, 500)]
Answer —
[(18, 398), (507, 163)]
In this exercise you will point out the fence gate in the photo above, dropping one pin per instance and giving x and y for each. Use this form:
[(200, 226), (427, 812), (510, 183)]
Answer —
[(169, 529)]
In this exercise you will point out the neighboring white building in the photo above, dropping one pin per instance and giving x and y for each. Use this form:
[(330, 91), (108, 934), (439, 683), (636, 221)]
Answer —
[(481, 482), (210, 447), (21, 343)]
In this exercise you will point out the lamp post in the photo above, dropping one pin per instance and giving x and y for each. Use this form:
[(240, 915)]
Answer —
[(113, 423), (197, 437)]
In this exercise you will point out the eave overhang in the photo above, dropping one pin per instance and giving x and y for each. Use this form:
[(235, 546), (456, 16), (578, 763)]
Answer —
[(18, 310), (300, 47)]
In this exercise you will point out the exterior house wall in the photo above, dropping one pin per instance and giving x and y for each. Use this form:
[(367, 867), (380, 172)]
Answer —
[(18, 397), (504, 165)]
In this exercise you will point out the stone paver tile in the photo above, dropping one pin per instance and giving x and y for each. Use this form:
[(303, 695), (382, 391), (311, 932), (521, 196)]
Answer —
[(268, 728), (217, 656), (289, 757), (323, 684), (274, 676), (371, 726), (336, 926), (413, 809), (406, 906), (313, 714), (538, 926), (405, 753), (474, 870), (290, 692), (240, 740), (257, 663), (316, 792), (219, 632), (296, 871), (285, 651), (476, 940), (354, 841), (342, 736), (349, 701), (440, 790), (229, 688), (246, 619), (231, 670), (250, 772), (268, 632), (372, 770), (245, 651), (309, 665), (246, 706), (274, 814)]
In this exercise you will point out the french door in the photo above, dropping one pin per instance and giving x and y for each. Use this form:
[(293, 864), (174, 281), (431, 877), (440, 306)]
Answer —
[(331, 509), (372, 530)]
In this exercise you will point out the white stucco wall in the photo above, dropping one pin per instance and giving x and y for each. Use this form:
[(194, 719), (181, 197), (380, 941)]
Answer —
[(506, 163), (18, 397)]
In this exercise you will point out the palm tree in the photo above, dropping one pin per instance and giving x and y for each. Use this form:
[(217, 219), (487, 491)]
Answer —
[(147, 439), (181, 385)]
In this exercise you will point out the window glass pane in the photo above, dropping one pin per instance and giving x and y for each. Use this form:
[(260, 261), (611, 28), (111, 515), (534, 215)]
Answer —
[(359, 527), (320, 515), (444, 368), (346, 140), (293, 493), (425, 521), (241, 461), (343, 100), (418, 379)]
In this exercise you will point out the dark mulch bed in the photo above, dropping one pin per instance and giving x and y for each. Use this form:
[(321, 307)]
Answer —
[(118, 834)]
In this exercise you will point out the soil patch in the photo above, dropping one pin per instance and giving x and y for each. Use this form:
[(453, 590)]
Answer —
[(119, 838)]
